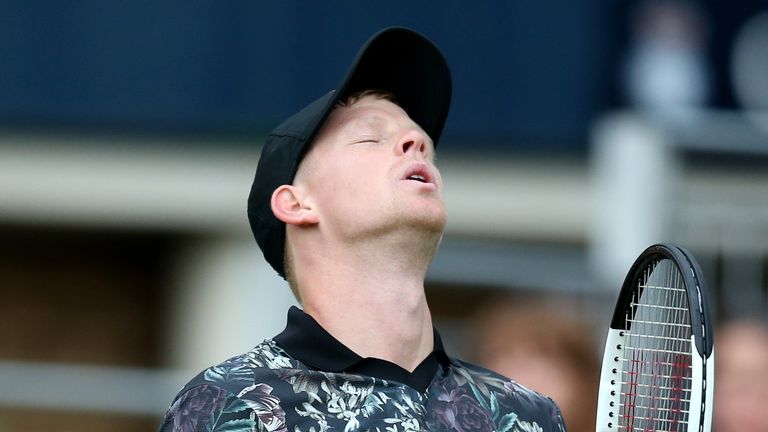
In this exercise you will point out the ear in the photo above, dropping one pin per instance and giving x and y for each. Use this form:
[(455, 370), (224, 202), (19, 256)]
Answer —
[(289, 206)]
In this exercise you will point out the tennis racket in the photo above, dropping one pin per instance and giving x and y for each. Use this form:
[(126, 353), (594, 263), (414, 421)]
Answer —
[(658, 366)]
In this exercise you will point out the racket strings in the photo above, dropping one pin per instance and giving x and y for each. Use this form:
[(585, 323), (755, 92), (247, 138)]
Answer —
[(656, 373)]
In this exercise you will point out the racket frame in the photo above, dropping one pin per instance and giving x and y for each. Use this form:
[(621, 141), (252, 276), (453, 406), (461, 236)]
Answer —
[(608, 411)]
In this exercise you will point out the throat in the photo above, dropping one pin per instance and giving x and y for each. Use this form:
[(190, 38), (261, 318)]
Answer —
[(389, 327)]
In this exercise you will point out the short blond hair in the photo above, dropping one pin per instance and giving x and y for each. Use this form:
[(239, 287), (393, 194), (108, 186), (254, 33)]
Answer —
[(353, 98)]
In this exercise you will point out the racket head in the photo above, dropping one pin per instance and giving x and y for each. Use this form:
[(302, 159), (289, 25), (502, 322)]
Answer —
[(658, 366), (692, 281)]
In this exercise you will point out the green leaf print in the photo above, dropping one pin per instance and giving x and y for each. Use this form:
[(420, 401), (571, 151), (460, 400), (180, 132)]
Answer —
[(239, 425), (494, 407), (507, 422), (223, 374), (236, 405)]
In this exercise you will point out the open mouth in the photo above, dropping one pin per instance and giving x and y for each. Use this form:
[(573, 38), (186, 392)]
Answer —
[(417, 177), (418, 172)]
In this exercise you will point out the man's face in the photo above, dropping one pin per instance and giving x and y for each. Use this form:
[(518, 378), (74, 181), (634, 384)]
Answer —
[(371, 171)]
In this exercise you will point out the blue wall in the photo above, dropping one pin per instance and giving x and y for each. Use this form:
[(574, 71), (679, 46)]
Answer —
[(526, 73)]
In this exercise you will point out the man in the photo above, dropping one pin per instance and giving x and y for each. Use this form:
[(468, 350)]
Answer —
[(347, 205)]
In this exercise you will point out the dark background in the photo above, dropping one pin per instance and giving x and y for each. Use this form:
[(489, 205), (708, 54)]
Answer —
[(527, 75)]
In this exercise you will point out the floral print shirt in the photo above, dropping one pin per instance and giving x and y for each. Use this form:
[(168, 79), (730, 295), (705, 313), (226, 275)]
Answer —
[(303, 380)]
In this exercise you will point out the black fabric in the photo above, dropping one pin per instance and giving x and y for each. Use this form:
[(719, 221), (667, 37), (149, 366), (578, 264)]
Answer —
[(307, 341)]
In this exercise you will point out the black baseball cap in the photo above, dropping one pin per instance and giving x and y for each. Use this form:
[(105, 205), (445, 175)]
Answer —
[(397, 60)]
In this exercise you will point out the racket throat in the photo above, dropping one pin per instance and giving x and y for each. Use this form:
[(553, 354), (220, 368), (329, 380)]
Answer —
[(608, 404)]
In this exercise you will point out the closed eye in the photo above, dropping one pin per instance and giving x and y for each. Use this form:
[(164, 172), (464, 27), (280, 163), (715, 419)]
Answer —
[(366, 140)]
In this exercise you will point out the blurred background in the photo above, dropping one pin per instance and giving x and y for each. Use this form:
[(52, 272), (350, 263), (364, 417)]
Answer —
[(580, 133)]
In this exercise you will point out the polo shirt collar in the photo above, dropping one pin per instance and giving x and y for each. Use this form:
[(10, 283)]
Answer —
[(305, 340)]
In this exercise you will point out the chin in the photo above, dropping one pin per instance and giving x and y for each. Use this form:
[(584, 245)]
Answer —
[(427, 221)]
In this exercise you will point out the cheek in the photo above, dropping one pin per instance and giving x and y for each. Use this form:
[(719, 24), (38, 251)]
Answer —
[(439, 182), (343, 186), (438, 176)]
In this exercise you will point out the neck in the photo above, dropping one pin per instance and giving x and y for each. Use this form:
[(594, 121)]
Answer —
[(371, 298)]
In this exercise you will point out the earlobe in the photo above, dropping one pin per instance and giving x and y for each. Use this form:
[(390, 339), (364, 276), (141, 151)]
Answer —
[(289, 207)]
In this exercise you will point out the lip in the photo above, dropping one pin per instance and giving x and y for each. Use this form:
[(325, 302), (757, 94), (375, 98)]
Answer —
[(420, 169)]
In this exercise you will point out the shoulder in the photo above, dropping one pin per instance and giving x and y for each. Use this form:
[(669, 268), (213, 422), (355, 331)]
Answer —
[(239, 372), (227, 395), (499, 382), (506, 404), (206, 407)]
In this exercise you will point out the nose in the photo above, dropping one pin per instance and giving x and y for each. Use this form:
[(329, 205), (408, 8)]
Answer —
[(411, 141)]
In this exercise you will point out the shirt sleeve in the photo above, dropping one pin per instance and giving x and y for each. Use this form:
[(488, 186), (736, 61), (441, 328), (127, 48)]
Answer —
[(208, 408), (557, 418)]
